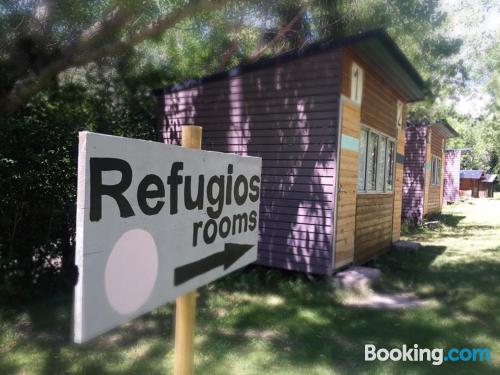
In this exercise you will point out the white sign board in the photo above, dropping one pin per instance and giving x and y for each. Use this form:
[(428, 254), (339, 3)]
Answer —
[(155, 221)]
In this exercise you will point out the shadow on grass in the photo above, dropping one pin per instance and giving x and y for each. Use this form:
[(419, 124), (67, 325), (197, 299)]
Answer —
[(446, 221), (315, 329), (449, 220), (259, 320), (466, 289), (41, 341), (469, 232)]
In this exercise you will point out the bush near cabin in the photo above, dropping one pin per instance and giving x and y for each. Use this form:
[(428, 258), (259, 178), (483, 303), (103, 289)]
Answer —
[(38, 160)]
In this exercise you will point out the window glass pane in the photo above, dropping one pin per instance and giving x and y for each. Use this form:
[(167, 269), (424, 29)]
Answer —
[(355, 77), (432, 171), (399, 114), (381, 163), (363, 138), (356, 83), (439, 171), (389, 184), (436, 171), (371, 168)]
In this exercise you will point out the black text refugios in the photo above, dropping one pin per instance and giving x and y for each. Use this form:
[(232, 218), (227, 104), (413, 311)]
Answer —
[(220, 190)]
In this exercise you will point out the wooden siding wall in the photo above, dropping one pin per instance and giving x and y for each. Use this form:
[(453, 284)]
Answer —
[(467, 186), (288, 115), (486, 189), (378, 107), (435, 192), (437, 143), (414, 173), (452, 175), (375, 227), (490, 189), (348, 174), (473, 188), (483, 189), (434, 200)]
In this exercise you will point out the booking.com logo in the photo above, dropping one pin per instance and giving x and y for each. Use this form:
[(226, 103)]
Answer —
[(437, 356)]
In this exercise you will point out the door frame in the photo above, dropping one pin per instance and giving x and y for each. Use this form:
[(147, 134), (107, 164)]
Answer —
[(342, 100)]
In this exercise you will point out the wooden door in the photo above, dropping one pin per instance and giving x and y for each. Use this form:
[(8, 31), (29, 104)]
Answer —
[(347, 178)]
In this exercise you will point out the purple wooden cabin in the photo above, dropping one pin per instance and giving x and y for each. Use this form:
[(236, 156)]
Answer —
[(288, 110), (452, 160), (423, 181), (414, 173)]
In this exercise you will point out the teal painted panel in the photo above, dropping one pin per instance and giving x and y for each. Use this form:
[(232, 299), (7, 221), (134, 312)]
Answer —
[(349, 143), (428, 165)]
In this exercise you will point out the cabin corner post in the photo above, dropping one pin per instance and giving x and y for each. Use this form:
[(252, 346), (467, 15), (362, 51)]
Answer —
[(427, 170), (336, 187), (442, 175), (346, 192)]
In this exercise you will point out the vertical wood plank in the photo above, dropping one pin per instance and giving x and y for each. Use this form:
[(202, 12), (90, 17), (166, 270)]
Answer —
[(185, 316), (185, 306), (191, 136), (347, 184)]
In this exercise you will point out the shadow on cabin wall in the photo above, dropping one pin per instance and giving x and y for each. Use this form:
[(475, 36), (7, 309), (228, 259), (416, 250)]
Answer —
[(413, 178), (289, 122)]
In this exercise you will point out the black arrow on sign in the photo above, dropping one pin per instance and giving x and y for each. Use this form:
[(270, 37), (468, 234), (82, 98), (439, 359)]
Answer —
[(231, 253)]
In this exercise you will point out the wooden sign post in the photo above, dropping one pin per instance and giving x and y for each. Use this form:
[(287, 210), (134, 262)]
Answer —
[(154, 223), (185, 306)]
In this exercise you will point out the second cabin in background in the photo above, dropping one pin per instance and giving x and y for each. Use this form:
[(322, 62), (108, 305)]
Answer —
[(423, 169), (477, 184), (452, 161), (328, 121)]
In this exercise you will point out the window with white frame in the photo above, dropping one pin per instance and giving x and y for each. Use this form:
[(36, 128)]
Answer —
[(371, 161), (391, 157), (363, 138), (399, 114), (377, 154), (356, 83), (436, 171)]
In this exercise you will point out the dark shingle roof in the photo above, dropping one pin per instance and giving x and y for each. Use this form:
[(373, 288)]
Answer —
[(376, 47), (473, 174), (442, 125), (490, 177), (446, 129)]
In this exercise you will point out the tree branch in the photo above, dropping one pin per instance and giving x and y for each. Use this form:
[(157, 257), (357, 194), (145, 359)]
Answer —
[(111, 23), (85, 51), (280, 33), (233, 46)]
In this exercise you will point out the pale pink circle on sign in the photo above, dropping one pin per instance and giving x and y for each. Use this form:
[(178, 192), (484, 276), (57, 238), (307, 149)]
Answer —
[(131, 271)]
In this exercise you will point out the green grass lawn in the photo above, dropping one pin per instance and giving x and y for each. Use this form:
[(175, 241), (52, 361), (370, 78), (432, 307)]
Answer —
[(266, 321)]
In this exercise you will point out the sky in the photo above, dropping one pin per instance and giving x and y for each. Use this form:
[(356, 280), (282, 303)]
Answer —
[(477, 22)]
